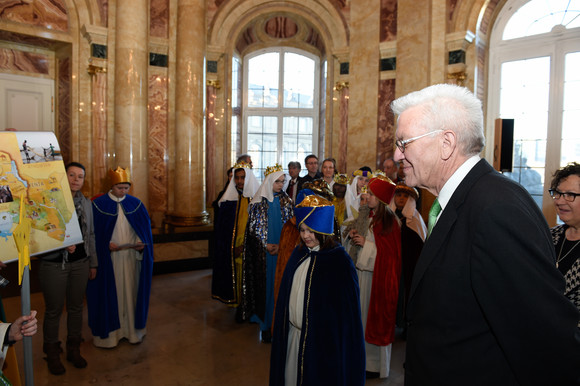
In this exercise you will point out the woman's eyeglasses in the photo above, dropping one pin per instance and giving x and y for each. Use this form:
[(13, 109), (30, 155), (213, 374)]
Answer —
[(568, 196)]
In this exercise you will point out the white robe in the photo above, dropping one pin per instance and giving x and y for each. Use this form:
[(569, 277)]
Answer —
[(296, 312)]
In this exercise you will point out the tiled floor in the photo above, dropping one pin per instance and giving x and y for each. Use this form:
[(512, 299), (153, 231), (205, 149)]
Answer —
[(191, 340)]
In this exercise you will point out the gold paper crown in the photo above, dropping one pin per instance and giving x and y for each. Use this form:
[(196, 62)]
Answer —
[(272, 169), (242, 164), (119, 176), (383, 177), (362, 173), (320, 187), (379, 172), (342, 179)]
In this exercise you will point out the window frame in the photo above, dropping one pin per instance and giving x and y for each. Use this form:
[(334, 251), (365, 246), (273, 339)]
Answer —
[(554, 44), (281, 112)]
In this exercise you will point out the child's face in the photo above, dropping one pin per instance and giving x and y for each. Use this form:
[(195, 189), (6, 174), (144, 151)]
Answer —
[(401, 199), (362, 181)]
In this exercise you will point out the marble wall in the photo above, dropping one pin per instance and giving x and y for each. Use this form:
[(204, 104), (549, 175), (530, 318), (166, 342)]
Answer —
[(49, 14), (158, 144), (386, 122), (159, 19), (64, 108), (13, 60)]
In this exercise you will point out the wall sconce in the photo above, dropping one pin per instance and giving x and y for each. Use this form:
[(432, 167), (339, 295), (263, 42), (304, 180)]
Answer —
[(340, 85)]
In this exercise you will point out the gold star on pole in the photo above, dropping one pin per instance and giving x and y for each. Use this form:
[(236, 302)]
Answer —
[(22, 239)]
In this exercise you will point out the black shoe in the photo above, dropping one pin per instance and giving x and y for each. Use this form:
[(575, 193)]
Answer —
[(266, 336), (372, 375)]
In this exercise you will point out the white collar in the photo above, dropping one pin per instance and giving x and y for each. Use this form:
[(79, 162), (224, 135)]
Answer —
[(115, 198), (453, 182)]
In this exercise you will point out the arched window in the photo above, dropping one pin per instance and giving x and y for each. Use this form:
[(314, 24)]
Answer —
[(280, 106), (535, 80)]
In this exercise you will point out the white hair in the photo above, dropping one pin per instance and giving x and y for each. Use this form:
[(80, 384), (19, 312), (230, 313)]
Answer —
[(448, 107)]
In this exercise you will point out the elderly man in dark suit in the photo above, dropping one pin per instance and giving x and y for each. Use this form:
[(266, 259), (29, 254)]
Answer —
[(486, 305)]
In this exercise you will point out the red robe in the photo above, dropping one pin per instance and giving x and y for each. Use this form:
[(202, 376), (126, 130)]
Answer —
[(380, 328)]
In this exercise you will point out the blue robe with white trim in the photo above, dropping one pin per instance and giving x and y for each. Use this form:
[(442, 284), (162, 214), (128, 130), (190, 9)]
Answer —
[(103, 310)]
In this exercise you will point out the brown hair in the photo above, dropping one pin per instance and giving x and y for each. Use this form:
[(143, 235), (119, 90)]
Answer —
[(572, 169), (384, 217), (326, 241)]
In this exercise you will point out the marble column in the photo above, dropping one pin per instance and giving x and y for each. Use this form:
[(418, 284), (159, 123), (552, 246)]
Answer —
[(413, 45), (415, 56), (211, 92), (99, 135), (343, 134), (189, 188), (131, 92), (364, 84)]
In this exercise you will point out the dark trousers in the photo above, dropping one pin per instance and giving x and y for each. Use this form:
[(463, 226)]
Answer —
[(59, 282)]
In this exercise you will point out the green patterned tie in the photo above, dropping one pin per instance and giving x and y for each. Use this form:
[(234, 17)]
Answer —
[(433, 213)]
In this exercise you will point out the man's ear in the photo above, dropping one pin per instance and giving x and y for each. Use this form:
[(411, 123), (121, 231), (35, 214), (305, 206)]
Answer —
[(449, 145)]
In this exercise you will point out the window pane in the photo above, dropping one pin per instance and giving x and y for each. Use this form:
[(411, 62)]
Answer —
[(271, 123), (263, 74), (262, 142), (540, 16), (298, 81), (297, 146), (524, 96), (260, 124), (528, 167), (236, 66), (570, 150)]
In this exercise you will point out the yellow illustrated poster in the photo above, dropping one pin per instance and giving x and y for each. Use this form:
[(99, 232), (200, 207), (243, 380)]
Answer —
[(31, 167)]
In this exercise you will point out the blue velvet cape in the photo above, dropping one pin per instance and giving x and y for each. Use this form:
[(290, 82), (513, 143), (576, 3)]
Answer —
[(332, 341), (103, 309)]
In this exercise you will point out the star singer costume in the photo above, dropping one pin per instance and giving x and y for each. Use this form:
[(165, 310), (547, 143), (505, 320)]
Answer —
[(118, 298)]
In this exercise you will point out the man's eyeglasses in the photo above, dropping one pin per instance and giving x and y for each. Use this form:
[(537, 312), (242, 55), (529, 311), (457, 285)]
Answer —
[(568, 196), (402, 144)]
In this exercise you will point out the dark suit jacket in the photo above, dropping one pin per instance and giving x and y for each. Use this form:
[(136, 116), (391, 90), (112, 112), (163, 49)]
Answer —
[(486, 305), (296, 185)]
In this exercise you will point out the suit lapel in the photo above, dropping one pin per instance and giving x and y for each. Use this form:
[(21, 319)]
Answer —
[(445, 223)]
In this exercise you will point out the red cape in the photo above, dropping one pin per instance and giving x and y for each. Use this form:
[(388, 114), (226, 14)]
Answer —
[(380, 329)]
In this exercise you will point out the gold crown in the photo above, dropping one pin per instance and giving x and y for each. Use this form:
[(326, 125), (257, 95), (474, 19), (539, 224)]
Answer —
[(362, 173), (272, 169), (379, 172), (242, 164), (342, 179), (314, 201), (119, 176), (383, 177), (320, 187)]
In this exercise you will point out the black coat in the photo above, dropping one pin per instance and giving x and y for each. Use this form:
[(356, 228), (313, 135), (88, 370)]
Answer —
[(486, 305), (332, 348)]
